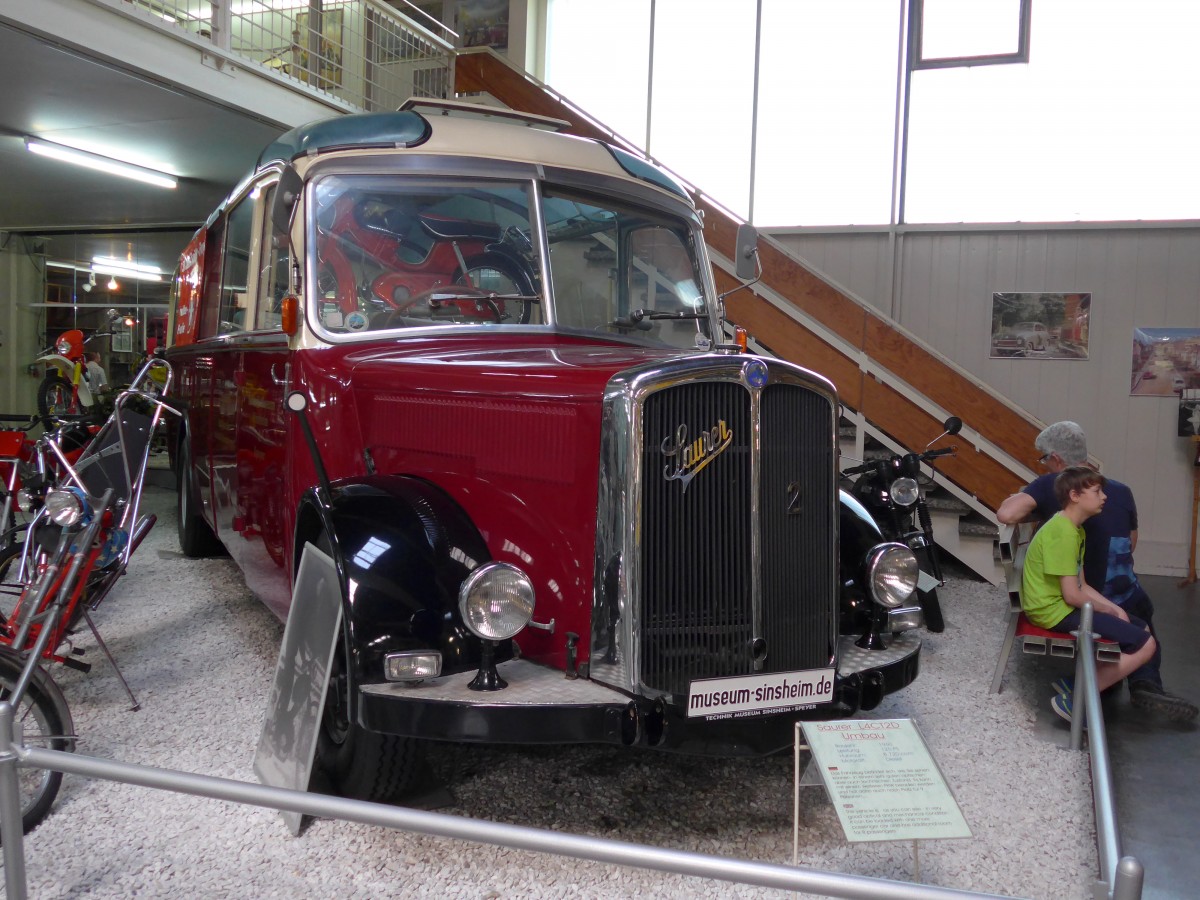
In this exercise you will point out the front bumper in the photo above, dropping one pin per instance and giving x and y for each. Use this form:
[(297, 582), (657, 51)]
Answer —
[(542, 706)]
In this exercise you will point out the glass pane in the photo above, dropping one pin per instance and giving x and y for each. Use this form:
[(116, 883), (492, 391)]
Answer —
[(598, 57), (952, 28), (827, 104), (405, 253), (625, 272), (273, 279), (703, 100), (235, 296), (1099, 125)]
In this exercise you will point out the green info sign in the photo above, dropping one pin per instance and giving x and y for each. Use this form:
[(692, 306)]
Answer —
[(883, 781)]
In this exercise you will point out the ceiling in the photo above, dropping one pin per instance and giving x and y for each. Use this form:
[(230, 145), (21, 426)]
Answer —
[(72, 214)]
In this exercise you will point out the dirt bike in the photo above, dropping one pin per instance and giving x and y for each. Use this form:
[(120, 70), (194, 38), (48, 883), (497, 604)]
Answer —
[(84, 528), (891, 490), (68, 388), (375, 258)]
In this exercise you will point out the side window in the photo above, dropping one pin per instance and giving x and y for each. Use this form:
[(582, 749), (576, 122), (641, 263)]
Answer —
[(210, 266), (235, 296), (273, 277)]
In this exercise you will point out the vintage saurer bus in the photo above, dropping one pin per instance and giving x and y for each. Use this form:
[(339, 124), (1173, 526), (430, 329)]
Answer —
[(562, 505)]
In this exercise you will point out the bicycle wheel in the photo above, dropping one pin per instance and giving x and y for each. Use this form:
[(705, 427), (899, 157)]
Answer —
[(46, 722)]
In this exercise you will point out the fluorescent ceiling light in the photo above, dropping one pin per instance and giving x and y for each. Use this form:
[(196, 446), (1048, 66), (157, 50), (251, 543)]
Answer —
[(100, 163), (107, 265), (125, 264)]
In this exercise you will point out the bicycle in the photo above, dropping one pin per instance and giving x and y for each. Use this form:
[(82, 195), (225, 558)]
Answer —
[(85, 527)]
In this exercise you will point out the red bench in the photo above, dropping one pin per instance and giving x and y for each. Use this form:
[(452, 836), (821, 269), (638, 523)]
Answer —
[(1011, 547)]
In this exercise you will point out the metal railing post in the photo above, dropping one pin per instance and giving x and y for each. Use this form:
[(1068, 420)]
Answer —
[(12, 827), (1128, 882)]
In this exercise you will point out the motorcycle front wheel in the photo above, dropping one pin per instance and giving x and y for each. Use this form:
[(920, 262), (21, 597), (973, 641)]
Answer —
[(54, 397), (46, 722)]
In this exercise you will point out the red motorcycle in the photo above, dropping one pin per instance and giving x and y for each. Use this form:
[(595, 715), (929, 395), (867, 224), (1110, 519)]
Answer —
[(384, 264)]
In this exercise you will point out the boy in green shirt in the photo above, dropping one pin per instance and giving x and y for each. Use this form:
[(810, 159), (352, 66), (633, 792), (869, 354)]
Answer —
[(1053, 591)]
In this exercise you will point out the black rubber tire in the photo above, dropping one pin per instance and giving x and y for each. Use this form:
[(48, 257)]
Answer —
[(46, 723), (361, 764), (932, 608), (54, 398), (522, 283), (196, 537)]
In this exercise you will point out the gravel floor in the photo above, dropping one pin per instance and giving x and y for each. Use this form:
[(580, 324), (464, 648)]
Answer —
[(200, 651)]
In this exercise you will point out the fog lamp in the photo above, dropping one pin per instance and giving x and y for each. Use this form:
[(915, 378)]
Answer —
[(496, 601), (66, 507), (904, 491), (412, 666), (892, 574)]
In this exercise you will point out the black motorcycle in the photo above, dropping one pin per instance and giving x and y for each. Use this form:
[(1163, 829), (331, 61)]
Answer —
[(891, 491)]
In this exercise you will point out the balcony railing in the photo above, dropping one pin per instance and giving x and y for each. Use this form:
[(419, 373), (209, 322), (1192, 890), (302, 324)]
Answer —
[(363, 52)]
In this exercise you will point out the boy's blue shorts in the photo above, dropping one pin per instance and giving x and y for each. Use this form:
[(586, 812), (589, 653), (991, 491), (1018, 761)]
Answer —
[(1131, 636)]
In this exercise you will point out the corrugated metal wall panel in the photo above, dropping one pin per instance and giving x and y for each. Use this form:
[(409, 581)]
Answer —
[(1138, 277)]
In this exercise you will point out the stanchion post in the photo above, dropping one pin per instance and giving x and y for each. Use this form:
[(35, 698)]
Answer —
[(1127, 883), (1078, 696), (11, 826)]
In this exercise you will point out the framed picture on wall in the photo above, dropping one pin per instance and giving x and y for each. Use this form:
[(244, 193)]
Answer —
[(1040, 325), (1166, 362), (483, 23)]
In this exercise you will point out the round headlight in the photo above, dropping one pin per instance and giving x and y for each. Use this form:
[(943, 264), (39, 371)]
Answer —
[(496, 601), (63, 346), (27, 500), (904, 491), (891, 573), (65, 507)]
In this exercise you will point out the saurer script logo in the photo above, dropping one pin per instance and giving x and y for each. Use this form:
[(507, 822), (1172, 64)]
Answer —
[(686, 459)]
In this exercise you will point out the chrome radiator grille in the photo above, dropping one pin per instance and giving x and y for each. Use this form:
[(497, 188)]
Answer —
[(703, 599)]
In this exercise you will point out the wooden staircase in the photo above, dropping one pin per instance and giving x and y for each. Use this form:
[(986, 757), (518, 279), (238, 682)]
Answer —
[(893, 386)]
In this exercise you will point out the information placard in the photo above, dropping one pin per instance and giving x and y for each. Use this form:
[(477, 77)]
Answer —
[(883, 782)]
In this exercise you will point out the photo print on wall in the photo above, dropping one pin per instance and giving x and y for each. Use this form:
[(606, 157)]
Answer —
[(1040, 325), (1166, 362)]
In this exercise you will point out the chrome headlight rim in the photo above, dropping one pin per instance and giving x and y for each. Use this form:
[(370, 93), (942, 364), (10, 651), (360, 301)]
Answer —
[(892, 573), (904, 491), (67, 507), (483, 615), (28, 501)]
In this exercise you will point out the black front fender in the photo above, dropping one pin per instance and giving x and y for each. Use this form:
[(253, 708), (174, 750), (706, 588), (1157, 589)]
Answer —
[(402, 547)]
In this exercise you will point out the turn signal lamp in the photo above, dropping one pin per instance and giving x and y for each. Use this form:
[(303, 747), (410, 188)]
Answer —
[(741, 337), (289, 314)]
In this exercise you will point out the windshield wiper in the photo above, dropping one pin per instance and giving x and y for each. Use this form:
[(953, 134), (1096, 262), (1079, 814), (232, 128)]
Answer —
[(639, 318)]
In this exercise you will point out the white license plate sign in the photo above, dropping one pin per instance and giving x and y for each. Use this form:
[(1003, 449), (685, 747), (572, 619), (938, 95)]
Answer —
[(754, 695)]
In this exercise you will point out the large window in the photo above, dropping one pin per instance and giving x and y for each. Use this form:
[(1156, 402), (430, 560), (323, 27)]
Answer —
[(1098, 124)]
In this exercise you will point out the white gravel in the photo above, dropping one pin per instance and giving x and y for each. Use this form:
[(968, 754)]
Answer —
[(199, 651)]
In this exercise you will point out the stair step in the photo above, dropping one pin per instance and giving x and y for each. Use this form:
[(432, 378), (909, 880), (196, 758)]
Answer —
[(944, 502), (978, 527)]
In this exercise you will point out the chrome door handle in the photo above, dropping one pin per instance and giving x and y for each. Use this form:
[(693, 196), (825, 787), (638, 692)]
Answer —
[(275, 378)]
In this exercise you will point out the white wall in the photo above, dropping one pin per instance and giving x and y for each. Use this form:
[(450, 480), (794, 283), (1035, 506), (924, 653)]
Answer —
[(1139, 276)]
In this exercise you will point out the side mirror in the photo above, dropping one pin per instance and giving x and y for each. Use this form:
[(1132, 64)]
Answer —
[(746, 254), (283, 201)]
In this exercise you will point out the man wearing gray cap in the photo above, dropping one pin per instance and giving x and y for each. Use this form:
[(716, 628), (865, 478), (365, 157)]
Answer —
[(1109, 542)]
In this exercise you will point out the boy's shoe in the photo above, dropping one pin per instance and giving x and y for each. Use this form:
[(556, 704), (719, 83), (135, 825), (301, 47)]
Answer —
[(1148, 695), (1064, 705), (1062, 685), (1061, 704)]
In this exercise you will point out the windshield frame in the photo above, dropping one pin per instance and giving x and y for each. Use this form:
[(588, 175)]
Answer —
[(430, 169)]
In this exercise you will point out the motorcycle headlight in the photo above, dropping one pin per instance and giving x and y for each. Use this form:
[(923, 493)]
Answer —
[(66, 507), (904, 491), (63, 346), (892, 574), (496, 601), (27, 500)]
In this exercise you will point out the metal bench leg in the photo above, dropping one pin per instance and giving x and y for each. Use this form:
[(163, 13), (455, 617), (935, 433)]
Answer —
[(1005, 650)]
